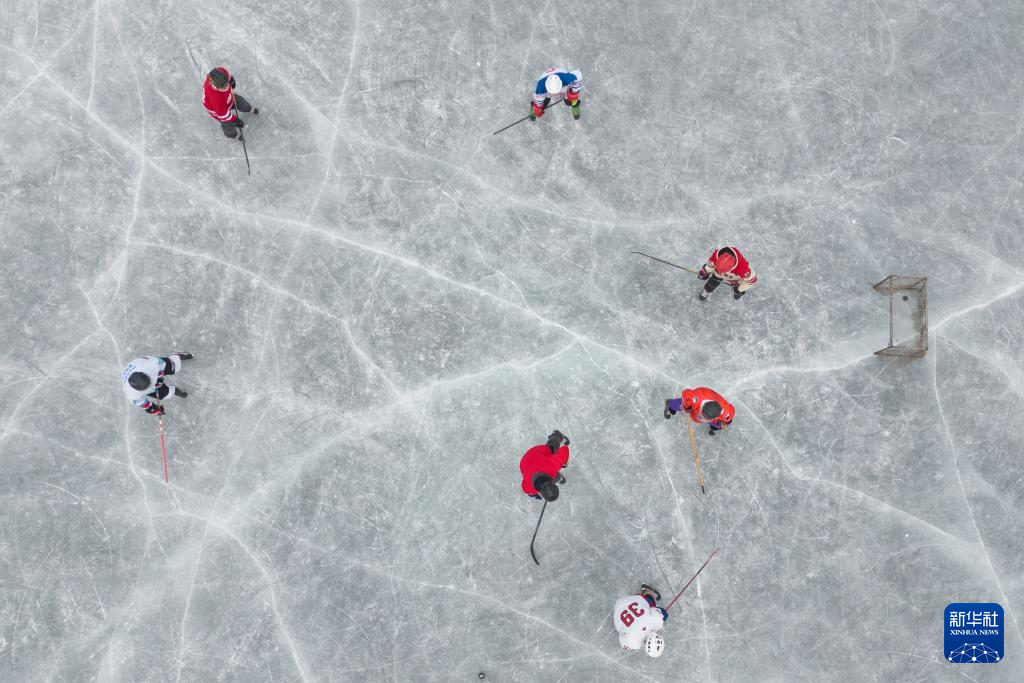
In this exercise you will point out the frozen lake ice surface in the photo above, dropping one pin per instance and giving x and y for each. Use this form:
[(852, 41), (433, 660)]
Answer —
[(397, 304)]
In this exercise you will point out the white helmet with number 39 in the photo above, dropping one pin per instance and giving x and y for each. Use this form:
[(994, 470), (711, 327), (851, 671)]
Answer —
[(654, 644), (553, 84)]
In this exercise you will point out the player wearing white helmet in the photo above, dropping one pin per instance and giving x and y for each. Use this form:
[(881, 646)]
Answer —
[(654, 644), (552, 84), (638, 618)]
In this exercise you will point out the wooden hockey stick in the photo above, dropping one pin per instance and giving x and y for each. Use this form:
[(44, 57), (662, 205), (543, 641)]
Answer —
[(700, 475)]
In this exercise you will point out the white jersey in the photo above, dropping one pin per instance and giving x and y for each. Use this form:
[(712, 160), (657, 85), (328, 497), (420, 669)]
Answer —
[(634, 619), (572, 80), (152, 367)]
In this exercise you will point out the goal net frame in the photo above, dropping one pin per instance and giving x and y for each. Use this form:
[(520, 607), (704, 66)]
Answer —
[(915, 290)]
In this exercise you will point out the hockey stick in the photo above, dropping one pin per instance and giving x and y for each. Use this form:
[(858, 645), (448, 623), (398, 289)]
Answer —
[(700, 475), (163, 447), (163, 441), (193, 58), (544, 108), (715, 552), (535, 532), (667, 263), (241, 136)]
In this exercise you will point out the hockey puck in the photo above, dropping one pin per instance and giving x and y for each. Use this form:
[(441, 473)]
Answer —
[(481, 676), (906, 298)]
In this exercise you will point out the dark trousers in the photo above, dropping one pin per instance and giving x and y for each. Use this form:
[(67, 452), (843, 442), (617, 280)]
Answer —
[(168, 366), (161, 392), (161, 388), (242, 104), (712, 284)]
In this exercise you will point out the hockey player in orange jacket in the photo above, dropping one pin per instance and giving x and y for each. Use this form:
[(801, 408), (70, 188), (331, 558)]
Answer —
[(704, 406)]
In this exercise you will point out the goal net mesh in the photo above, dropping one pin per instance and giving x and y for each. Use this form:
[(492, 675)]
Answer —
[(908, 315)]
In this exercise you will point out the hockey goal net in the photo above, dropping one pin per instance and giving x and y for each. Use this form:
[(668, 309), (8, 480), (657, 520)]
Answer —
[(908, 315)]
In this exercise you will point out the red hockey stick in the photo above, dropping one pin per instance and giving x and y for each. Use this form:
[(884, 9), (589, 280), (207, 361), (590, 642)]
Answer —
[(163, 447), (691, 580)]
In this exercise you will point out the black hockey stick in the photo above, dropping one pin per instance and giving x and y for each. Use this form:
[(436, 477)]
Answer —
[(544, 108), (241, 136), (667, 263), (715, 552), (193, 58), (535, 532)]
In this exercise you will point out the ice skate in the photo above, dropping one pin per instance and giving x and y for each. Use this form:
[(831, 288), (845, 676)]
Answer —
[(647, 590)]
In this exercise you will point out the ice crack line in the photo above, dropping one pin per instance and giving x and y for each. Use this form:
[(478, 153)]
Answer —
[(963, 490), (487, 598), (271, 582)]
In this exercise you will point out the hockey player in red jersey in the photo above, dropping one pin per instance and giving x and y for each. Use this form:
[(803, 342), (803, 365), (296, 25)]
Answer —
[(540, 467), (704, 406), (727, 263), (221, 101)]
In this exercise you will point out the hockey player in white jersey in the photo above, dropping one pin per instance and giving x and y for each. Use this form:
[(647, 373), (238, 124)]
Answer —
[(144, 380), (551, 84), (638, 619)]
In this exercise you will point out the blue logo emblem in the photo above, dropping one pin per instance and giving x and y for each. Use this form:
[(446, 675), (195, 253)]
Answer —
[(974, 633)]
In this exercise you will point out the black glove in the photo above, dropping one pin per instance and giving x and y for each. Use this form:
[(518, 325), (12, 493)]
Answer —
[(156, 409), (554, 441), (232, 81), (563, 440), (703, 274), (737, 294), (239, 123), (560, 479)]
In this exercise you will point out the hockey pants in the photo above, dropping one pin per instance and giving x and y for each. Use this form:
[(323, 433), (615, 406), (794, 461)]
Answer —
[(230, 129), (172, 364), (163, 391), (712, 284)]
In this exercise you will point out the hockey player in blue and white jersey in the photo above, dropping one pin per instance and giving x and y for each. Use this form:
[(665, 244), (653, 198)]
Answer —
[(144, 379), (555, 82)]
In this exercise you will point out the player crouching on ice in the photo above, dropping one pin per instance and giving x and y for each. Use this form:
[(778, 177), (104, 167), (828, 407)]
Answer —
[(222, 102), (540, 467), (727, 263), (704, 406), (555, 82), (638, 619), (144, 379)]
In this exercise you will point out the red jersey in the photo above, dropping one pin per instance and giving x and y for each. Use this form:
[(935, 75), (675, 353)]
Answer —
[(694, 399), (540, 459), (220, 104), (740, 274)]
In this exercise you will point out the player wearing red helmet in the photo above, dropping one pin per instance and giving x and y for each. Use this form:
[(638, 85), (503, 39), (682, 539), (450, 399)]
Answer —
[(728, 264)]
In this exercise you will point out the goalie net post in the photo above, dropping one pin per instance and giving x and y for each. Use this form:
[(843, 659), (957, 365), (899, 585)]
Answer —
[(908, 315)]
